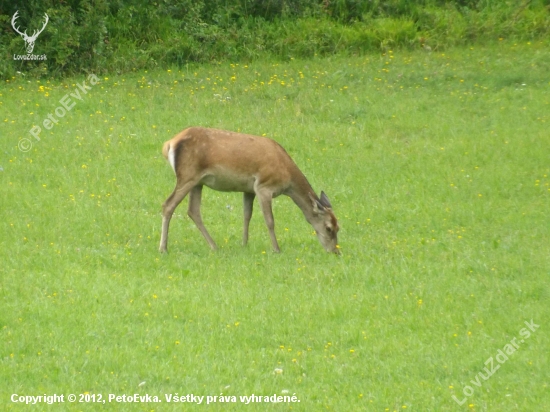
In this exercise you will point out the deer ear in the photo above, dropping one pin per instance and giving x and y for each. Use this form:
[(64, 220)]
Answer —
[(317, 205), (324, 200)]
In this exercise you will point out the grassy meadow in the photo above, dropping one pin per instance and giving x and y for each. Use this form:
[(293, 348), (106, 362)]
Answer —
[(438, 168)]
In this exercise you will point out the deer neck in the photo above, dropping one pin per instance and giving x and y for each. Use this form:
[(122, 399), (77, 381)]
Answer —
[(300, 192)]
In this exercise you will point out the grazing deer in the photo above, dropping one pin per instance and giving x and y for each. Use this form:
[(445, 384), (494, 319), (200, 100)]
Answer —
[(29, 40), (236, 162)]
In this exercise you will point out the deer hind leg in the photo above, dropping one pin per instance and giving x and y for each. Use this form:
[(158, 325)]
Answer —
[(194, 212), (248, 204), (168, 208), (265, 198)]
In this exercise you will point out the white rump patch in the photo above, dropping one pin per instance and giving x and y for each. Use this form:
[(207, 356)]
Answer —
[(172, 158)]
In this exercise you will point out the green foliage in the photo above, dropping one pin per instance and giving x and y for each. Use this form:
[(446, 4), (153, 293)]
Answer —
[(101, 36)]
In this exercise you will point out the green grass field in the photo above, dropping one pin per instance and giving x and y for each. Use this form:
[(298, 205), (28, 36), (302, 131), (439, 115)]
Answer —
[(437, 165)]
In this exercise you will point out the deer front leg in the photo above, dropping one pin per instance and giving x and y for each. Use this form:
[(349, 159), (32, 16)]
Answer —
[(265, 198), (194, 212), (248, 204)]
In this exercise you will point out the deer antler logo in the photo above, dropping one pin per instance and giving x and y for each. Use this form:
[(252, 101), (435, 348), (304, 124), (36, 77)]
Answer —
[(29, 40)]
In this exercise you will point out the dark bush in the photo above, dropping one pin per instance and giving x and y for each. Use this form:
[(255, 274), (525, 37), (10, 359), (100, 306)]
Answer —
[(119, 35)]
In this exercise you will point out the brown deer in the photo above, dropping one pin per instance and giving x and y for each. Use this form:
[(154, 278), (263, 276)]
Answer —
[(236, 162)]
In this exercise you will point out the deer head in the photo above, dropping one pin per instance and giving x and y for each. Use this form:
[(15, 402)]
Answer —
[(29, 40), (325, 224)]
